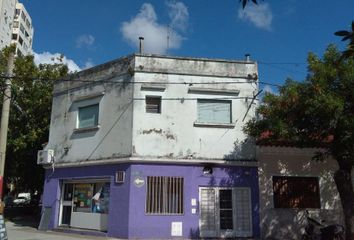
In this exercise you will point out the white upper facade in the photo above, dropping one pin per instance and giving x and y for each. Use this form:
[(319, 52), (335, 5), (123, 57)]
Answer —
[(7, 10), (15, 27), (22, 32), (155, 108)]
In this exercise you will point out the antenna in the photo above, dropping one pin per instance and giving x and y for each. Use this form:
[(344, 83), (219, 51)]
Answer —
[(141, 39), (168, 38)]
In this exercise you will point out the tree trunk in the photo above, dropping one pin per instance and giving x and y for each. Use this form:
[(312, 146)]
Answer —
[(343, 181)]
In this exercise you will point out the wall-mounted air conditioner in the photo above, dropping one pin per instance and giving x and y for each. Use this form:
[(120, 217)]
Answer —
[(45, 156)]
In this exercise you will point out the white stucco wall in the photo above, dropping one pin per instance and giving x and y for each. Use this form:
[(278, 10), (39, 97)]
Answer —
[(26, 47), (126, 132), (287, 161), (7, 9), (172, 134), (113, 138)]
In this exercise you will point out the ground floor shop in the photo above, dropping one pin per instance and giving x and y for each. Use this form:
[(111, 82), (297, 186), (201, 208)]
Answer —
[(154, 200)]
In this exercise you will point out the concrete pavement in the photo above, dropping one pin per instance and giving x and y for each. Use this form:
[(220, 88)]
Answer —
[(20, 231)]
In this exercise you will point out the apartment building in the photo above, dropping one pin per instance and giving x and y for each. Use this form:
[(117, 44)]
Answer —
[(15, 27), (7, 9), (22, 31), (151, 147)]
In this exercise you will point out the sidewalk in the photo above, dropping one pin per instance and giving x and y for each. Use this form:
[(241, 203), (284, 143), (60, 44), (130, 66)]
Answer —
[(16, 231)]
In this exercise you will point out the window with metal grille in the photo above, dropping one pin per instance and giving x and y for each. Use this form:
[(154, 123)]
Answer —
[(164, 195), (214, 111), (296, 192), (153, 104)]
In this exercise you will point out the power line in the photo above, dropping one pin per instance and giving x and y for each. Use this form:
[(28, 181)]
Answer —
[(195, 98), (155, 82), (281, 63), (274, 66)]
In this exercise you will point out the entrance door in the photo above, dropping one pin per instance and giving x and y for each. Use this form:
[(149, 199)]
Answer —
[(66, 203), (225, 212)]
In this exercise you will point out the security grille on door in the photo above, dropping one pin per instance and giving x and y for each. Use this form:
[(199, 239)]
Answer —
[(120, 176), (225, 212)]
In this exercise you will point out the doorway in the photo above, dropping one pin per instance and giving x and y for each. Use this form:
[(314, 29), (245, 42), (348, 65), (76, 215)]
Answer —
[(85, 204), (66, 204), (225, 212)]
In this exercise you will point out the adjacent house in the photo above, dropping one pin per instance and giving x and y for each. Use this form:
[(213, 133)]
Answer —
[(151, 146), (290, 183)]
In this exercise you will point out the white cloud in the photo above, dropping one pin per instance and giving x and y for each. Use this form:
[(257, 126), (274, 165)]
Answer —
[(145, 24), (85, 40), (268, 89), (179, 15), (88, 64), (51, 58), (260, 15)]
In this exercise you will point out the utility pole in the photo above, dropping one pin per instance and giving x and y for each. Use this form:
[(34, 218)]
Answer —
[(5, 121)]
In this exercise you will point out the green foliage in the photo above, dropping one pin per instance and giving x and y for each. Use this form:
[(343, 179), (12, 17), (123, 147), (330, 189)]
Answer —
[(317, 111), (29, 118), (347, 36), (244, 2)]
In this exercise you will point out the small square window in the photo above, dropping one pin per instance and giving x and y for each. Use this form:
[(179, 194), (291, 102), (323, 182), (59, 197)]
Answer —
[(153, 104), (88, 116)]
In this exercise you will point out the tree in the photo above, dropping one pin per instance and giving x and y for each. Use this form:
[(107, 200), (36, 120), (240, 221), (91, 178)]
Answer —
[(29, 122), (318, 111), (347, 36), (245, 2)]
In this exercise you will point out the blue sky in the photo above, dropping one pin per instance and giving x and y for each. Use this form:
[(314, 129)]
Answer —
[(277, 34)]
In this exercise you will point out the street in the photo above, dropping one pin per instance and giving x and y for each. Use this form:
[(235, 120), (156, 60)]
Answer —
[(21, 224), (23, 230)]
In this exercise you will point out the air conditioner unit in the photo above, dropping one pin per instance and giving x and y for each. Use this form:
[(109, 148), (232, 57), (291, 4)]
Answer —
[(120, 176), (45, 156)]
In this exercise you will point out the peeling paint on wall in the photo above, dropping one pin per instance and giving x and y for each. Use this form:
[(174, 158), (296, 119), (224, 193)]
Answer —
[(168, 134)]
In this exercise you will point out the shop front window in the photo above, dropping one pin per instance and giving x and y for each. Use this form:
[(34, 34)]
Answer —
[(91, 197)]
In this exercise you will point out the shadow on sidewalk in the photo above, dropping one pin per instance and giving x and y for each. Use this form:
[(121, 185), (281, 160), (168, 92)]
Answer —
[(26, 216)]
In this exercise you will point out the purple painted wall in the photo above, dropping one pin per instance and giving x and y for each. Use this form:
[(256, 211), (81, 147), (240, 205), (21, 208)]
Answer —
[(157, 226), (127, 217), (118, 213)]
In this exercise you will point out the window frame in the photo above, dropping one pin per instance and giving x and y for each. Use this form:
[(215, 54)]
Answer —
[(153, 97), (164, 204), (199, 123), (96, 123), (307, 199)]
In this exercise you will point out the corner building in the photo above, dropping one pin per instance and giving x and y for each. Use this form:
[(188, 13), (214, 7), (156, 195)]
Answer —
[(151, 146)]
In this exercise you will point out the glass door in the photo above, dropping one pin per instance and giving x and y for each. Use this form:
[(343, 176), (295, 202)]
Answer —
[(66, 203), (225, 212), (226, 216)]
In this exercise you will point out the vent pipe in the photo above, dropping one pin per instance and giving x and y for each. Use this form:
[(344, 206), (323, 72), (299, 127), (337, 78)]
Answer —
[(141, 40), (247, 57)]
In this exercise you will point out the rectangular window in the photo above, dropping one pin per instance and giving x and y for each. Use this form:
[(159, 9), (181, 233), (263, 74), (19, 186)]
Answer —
[(23, 16), (214, 111), (164, 195), (22, 28), (153, 104), (28, 23), (14, 36), (20, 40), (296, 192), (91, 197), (88, 116)]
